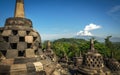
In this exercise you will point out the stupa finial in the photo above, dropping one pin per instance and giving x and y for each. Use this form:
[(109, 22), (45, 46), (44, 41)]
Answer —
[(48, 45), (19, 9), (92, 44)]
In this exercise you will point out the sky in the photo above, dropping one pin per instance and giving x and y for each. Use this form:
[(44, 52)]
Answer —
[(55, 19)]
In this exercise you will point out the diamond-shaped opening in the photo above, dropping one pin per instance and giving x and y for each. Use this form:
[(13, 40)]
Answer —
[(93, 65), (21, 53), (91, 62), (3, 52), (34, 38), (15, 32), (22, 39), (35, 52), (1, 31), (89, 65), (27, 32), (98, 65), (6, 38), (13, 45), (29, 45), (95, 62)]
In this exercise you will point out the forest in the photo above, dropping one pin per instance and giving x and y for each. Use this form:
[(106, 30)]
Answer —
[(72, 47)]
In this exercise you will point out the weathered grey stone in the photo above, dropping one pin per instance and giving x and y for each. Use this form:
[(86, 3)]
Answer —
[(1, 39), (13, 39), (34, 34), (35, 45), (25, 60), (22, 46), (12, 54), (22, 33), (6, 33), (18, 69), (29, 39), (29, 53), (4, 45), (30, 68), (4, 69)]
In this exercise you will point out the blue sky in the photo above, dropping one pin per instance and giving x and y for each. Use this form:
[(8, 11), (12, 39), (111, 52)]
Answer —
[(55, 19)]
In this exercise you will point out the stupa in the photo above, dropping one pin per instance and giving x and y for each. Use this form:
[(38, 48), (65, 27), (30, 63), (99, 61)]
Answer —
[(49, 52), (21, 50), (93, 63)]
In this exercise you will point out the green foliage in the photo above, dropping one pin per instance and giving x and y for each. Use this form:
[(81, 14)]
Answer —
[(73, 47)]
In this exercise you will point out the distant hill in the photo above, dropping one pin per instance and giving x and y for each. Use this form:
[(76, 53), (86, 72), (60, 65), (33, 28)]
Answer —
[(71, 40), (100, 39)]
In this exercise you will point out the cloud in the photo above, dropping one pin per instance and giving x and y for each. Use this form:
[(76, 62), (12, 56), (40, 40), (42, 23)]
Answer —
[(84, 33), (115, 9), (91, 27), (114, 12), (87, 29)]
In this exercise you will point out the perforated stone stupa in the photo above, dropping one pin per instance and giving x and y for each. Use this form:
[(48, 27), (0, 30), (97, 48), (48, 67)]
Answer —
[(93, 63), (20, 46)]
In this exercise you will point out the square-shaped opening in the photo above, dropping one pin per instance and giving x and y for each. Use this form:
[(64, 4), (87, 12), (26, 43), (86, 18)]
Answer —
[(21, 39), (15, 32), (27, 32), (13, 45), (6, 38), (29, 45), (21, 53)]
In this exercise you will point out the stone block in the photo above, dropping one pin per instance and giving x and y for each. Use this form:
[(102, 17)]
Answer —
[(1, 39), (29, 39), (13, 39), (22, 33), (22, 46), (8, 61), (29, 53), (32, 73), (4, 69), (34, 34), (6, 33), (30, 68), (24, 60), (18, 69), (4, 45), (38, 66), (12, 54)]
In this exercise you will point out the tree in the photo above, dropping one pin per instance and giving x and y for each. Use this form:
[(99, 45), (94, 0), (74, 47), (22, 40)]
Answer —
[(109, 45)]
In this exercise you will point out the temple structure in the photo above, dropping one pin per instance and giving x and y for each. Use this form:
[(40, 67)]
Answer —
[(20, 46), (49, 52), (21, 52), (93, 63)]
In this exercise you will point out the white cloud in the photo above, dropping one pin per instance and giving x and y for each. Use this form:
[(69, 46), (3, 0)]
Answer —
[(84, 33), (91, 27), (87, 29)]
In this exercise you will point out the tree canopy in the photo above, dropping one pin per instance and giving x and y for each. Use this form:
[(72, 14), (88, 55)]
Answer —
[(71, 47)]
